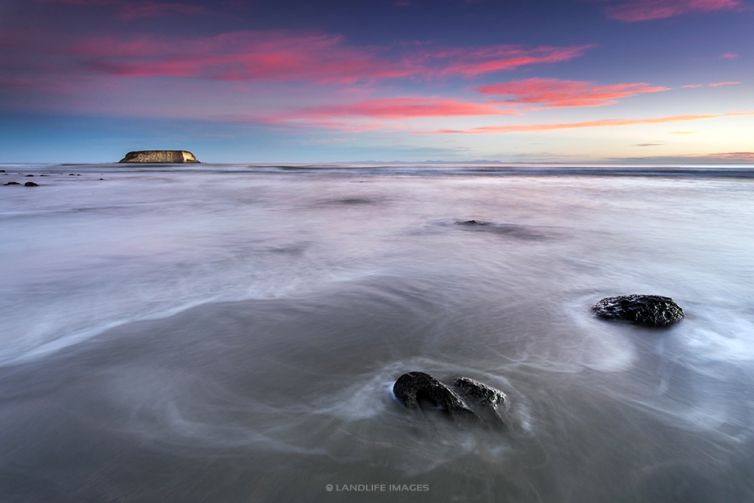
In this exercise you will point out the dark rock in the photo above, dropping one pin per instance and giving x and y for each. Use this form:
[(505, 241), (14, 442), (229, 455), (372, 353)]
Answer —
[(2, 171), (420, 391), (489, 404), (71, 174), (473, 222), (474, 391), (647, 310), (469, 399), (29, 175), (12, 183), (31, 184)]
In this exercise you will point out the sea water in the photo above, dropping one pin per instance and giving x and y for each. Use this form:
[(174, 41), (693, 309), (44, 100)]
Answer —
[(231, 332)]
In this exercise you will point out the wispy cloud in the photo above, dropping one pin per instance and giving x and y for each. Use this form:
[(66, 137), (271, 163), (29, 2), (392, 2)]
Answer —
[(406, 107), (729, 55), (482, 60), (153, 9), (239, 56), (280, 55), (528, 128), (711, 158), (647, 10), (712, 84), (130, 10), (556, 93), (737, 156)]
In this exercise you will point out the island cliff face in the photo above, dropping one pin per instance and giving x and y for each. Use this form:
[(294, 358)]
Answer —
[(159, 156)]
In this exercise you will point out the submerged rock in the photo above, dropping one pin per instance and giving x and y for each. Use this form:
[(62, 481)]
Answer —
[(12, 183), (159, 156), (31, 184), (420, 391), (647, 310), (500, 228)]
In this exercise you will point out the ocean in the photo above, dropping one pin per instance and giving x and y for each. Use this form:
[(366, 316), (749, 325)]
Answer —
[(231, 333)]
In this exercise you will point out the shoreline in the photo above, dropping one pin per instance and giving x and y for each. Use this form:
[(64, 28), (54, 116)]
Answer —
[(700, 171)]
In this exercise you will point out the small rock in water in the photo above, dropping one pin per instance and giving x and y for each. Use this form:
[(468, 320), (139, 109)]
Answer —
[(31, 184), (420, 391), (29, 175), (473, 222), (12, 183), (647, 310), (470, 400)]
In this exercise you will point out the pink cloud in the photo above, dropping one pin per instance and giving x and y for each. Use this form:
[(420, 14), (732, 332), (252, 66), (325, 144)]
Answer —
[(312, 123), (556, 93), (239, 56), (381, 114), (712, 84), (729, 55), (275, 55), (527, 128), (646, 10), (405, 108), (470, 62), (737, 156)]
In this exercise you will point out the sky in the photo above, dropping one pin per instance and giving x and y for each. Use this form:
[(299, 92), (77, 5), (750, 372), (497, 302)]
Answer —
[(305, 81)]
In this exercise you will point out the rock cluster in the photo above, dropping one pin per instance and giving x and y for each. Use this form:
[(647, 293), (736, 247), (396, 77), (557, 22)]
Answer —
[(467, 400), (27, 184)]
